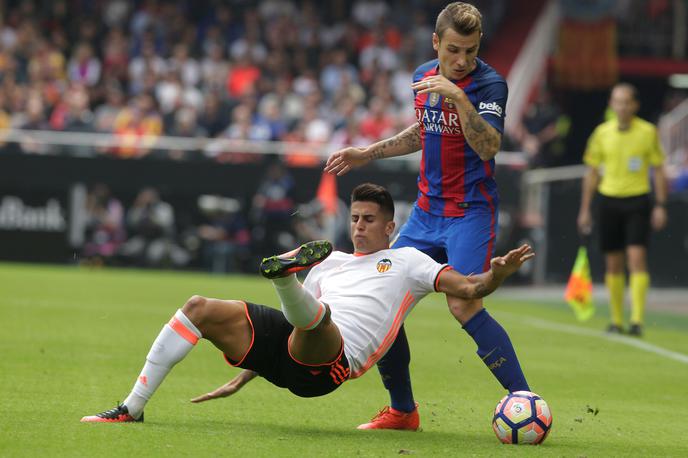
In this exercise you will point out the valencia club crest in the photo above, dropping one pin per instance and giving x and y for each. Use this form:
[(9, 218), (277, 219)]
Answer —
[(384, 265)]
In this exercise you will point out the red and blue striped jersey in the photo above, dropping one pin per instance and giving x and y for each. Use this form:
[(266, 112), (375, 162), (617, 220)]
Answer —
[(452, 177)]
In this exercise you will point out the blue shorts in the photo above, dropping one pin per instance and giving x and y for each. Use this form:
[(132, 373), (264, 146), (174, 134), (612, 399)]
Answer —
[(464, 242)]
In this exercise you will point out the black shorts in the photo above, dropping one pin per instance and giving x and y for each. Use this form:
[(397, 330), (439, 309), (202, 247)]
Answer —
[(624, 221), (269, 356)]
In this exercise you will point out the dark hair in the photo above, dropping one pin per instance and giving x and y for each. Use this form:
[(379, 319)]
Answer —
[(464, 18), (369, 192), (629, 87)]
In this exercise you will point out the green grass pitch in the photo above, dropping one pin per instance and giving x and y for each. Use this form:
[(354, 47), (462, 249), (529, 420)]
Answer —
[(72, 342)]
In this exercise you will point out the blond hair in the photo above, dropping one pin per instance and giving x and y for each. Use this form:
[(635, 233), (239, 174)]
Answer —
[(464, 18)]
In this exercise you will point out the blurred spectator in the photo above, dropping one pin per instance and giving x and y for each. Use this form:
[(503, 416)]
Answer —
[(84, 67), (32, 119), (185, 66), (225, 238), (214, 117), (543, 132), (116, 55), (245, 126), (677, 170), (312, 222), (243, 76), (105, 230), (337, 72), (378, 55), (249, 47), (107, 113), (271, 210), (185, 125), (149, 63), (271, 115), (378, 123), (151, 227), (214, 69), (137, 125), (369, 12)]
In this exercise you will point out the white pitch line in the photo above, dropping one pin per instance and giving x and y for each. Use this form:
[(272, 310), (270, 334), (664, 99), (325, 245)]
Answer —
[(630, 341)]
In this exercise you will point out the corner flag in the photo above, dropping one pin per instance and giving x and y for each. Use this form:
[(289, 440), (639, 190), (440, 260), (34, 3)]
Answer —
[(579, 288)]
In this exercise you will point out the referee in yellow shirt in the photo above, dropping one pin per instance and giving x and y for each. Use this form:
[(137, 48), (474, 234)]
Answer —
[(620, 156)]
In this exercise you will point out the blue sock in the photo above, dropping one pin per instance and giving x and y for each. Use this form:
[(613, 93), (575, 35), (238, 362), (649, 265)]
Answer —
[(496, 351), (394, 369)]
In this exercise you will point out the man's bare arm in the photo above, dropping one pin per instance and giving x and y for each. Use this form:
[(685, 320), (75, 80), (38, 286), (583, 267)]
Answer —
[(405, 142), (228, 388), (476, 286), (590, 181), (480, 135), (659, 213)]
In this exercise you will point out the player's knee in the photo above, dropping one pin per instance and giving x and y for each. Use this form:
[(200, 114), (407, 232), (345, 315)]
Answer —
[(326, 320), (462, 309), (195, 308)]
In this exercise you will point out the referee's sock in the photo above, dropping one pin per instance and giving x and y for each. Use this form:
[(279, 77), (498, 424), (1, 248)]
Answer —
[(174, 342), (640, 282), (299, 306), (496, 351), (615, 286)]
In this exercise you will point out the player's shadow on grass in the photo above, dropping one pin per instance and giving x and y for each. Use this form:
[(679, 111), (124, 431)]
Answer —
[(290, 432)]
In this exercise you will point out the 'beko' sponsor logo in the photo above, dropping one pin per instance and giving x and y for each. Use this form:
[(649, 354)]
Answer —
[(14, 215), (491, 108)]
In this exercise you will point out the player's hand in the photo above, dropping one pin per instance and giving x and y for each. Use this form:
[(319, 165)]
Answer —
[(658, 218), (503, 266), (228, 388), (342, 161), (439, 85), (584, 222)]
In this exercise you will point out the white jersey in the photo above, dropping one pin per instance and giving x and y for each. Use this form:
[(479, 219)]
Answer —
[(370, 296)]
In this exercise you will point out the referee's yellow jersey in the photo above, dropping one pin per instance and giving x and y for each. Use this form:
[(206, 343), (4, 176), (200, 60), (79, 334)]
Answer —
[(625, 157)]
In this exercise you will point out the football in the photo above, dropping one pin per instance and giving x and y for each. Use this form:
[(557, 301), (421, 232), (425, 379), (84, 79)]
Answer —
[(522, 417)]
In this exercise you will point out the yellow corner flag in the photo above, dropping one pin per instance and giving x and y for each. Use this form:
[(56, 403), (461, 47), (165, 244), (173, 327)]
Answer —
[(579, 288)]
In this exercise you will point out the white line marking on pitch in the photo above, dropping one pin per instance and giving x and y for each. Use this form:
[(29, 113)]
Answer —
[(630, 341)]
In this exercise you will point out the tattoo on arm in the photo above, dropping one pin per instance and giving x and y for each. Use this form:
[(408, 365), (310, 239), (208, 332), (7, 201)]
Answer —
[(482, 137), (405, 142), (483, 284)]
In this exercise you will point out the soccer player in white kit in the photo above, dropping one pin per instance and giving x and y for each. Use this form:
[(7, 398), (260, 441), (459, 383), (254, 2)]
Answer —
[(332, 328)]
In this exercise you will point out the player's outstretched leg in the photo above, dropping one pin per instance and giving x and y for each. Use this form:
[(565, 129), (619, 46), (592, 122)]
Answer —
[(222, 322), (175, 341), (299, 306), (494, 346)]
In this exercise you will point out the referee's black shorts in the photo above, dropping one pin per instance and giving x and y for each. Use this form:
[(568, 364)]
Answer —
[(624, 221), (269, 356)]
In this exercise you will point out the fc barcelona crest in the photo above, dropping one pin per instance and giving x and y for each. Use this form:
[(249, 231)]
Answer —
[(384, 265), (434, 98)]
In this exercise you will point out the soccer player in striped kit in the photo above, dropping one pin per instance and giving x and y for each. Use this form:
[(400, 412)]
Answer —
[(459, 104)]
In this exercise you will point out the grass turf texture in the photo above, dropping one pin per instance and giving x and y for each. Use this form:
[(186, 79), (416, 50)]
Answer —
[(73, 341)]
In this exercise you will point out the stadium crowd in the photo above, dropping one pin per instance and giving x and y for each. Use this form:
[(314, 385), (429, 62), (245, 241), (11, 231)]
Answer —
[(273, 70), (269, 70), (334, 74)]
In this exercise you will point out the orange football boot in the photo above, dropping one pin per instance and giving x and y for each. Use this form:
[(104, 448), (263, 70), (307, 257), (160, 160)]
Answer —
[(389, 418)]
